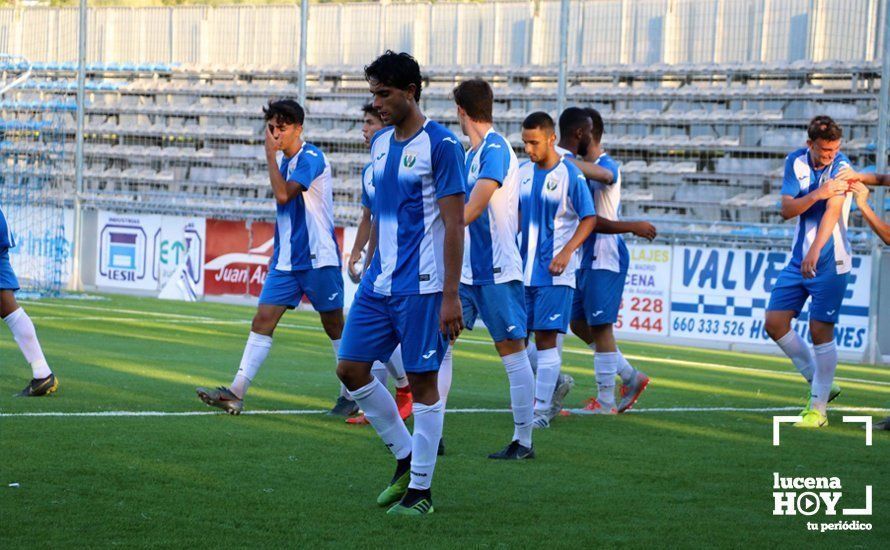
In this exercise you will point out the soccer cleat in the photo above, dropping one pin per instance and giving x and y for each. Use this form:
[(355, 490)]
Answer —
[(812, 419), (832, 395), (38, 387), (360, 420), (514, 451), (404, 401), (593, 406), (344, 407), (631, 392), (541, 420), (564, 385), (416, 502), (397, 487), (221, 398)]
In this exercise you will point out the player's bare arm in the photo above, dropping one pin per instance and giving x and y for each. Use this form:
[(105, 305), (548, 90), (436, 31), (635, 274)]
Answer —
[(564, 256), (793, 207), (881, 228), (362, 235), (451, 208), (593, 171), (641, 229), (283, 190), (479, 199), (826, 226), (850, 175)]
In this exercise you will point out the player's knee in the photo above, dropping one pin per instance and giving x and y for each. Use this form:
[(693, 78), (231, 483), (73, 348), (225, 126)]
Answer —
[(776, 326), (263, 324), (821, 332), (332, 323), (581, 330)]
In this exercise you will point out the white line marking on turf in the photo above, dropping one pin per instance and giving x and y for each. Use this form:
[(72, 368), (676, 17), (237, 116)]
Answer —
[(184, 318), (115, 414)]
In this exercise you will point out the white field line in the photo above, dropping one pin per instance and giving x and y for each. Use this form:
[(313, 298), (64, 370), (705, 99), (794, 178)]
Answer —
[(189, 319), (291, 412)]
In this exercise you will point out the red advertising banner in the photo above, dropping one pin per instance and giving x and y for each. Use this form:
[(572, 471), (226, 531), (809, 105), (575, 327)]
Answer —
[(237, 257)]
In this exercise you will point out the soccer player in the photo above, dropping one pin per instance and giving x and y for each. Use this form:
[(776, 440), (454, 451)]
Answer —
[(491, 282), (43, 381), (409, 294), (371, 124), (556, 216), (820, 263), (604, 262), (306, 259)]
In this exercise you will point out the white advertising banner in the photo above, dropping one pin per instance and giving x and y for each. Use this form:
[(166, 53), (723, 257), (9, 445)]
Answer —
[(645, 308), (142, 251), (721, 294)]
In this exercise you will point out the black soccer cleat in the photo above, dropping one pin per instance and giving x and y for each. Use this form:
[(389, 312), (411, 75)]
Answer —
[(514, 451), (38, 387), (344, 407)]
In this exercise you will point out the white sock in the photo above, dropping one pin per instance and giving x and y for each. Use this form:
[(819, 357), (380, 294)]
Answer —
[(445, 376), (255, 352), (380, 410), (826, 364), (396, 368), (25, 336), (532, 352), (605, 365), (378, 371), (799, 353), (428, 421), (522, 395), (548, 372), (625, 370), (559, 338)]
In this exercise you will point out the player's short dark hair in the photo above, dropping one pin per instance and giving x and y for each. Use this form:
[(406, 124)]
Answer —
[(369, 109), (398, 70), (285, 110), (476, 98), (598, 126), (539, 119), (571, 119), (823, 127)]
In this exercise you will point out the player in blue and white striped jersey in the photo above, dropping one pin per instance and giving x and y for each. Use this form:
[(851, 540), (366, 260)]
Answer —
[(409, 294), (820, 264), (43, 381), (604, 263), (371, 124), (306, 258), (556, 216), (491, 283)]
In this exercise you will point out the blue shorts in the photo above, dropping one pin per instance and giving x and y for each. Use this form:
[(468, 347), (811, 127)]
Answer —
[(598, 296), (548, 307), (8, 280), (791, 292), (323, 286), (377, 324), (501, 307)]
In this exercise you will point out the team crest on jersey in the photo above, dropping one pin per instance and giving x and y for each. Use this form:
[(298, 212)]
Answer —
[(408, 160), (474, 168), (550, 184)]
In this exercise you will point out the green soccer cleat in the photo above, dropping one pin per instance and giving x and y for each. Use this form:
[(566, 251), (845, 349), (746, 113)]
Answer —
[(38, 387), (414, 503), (395, 491), (811, 418), (221, 398)]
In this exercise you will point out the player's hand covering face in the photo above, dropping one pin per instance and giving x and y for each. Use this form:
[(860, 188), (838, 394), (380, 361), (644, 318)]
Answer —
[(280, 135)]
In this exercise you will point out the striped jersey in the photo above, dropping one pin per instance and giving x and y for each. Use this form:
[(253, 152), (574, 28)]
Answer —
[(600, 250)]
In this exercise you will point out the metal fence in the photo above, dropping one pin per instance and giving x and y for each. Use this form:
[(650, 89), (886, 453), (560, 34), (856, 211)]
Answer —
[(702, 98)]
